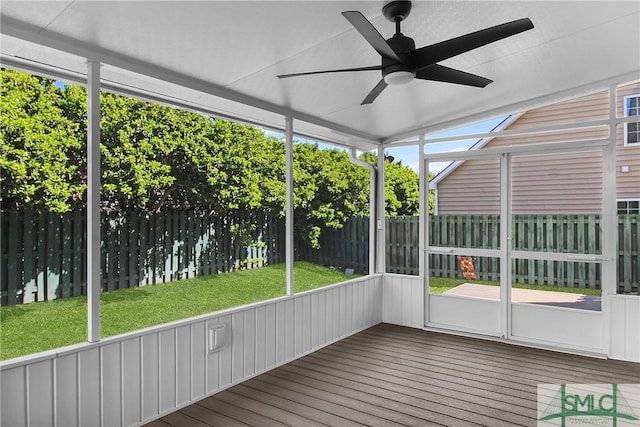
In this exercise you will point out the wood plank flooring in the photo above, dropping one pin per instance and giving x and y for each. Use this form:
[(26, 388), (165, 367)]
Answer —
[(395, 376)]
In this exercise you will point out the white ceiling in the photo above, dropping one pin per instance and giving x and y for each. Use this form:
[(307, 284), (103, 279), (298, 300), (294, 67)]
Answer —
[(224, 56)]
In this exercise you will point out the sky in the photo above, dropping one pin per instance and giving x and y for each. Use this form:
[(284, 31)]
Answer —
[(410, 155)]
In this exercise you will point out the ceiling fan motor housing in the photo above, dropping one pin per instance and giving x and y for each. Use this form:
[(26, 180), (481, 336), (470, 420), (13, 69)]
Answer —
[(398, 9), (401, 45)]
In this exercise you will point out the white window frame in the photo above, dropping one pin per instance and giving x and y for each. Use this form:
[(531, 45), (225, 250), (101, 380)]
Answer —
[(625, 201), (626, 114)]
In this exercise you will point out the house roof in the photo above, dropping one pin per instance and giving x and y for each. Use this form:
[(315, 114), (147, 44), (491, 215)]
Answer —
[(223, 56)]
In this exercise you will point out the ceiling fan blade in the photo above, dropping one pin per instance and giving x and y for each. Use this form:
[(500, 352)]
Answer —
[(370, 33), (440, 73), (375, 92), (344, 70), (434, 53)]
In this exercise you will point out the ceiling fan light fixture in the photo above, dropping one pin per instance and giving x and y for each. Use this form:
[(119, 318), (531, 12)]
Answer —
[(398, 78)]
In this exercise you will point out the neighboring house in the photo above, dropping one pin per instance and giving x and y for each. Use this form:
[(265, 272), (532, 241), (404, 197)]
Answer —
[(550, 183)]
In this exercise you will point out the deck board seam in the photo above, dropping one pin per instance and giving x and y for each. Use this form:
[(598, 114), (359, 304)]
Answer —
[(434, 396), (390, 375)]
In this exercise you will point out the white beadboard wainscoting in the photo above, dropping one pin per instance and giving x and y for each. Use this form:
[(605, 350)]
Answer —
[(137, 377), (403, 300), (403, 303), (625, 327)]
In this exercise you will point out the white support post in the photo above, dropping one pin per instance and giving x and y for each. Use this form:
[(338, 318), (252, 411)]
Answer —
[(609, 194), (289, 203), (372, 220), (423, 228), (380, 235), (353, 157), (423, 209), (609, 219), (93, 200), (505, 244)]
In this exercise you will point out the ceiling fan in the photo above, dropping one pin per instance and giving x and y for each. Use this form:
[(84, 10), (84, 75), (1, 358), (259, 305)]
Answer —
[(402, 62)]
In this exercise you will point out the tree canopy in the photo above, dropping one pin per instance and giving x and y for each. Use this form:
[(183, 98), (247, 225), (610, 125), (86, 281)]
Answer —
[(155, 157)]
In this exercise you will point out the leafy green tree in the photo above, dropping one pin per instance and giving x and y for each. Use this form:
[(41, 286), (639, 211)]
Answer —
[(401, 188), (328, 190), (40, 162), (156, 157)]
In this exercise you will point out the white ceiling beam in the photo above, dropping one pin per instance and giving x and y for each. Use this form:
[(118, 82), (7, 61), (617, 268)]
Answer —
[(143, 95), (33, 34), (510, 109)]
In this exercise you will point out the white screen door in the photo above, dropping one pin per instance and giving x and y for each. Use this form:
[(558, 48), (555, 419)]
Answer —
[(527, 224)]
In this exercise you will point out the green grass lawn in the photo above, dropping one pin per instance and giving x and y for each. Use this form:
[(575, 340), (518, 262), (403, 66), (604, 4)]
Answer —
[(35, 327), (438, 285)]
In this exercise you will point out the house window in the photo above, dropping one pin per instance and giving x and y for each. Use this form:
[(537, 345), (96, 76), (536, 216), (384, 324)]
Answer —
[(632, 130), (631, 206)]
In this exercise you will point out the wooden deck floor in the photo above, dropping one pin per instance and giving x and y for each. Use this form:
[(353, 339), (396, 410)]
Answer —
[(390, 375)]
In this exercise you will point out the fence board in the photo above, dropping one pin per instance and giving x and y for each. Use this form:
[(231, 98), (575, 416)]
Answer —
[(112, 260), (30, 257), (79, 270), (65, 271), (165, 240), (143, 264), (53, 257), (626, 264), (131, 257), (15, 255), (44, 257)]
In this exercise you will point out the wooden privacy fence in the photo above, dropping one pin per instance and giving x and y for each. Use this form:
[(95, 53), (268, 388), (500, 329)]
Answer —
[(43, 256), (553, 233), (344, 248)]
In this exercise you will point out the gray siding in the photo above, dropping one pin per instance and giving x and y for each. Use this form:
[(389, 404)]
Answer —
[(555, 184)]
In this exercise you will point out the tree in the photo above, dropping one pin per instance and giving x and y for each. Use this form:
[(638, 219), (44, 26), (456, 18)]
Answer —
[(40, 159), (401, 188), (155, 157), (328, 190)]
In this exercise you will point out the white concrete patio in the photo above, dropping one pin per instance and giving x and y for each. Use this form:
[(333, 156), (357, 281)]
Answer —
[(530, 296)]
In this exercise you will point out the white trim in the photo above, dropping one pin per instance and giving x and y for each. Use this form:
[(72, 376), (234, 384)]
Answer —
[(423, 206), (423, 254), (93, 202), (170, 101), (505, 244), (289, 204), (149, 374), (609, 223), (75, 348), (452, 250), (353, 157), (509, 109), (479, 144), (546, 148), (506, 253), (626, 114), (30, 33), (381, 264)]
